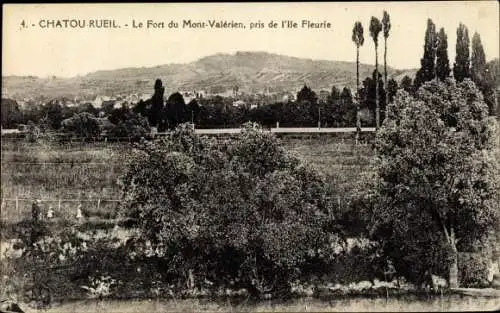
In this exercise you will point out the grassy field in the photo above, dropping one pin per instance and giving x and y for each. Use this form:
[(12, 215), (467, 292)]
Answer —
[(61, 176), (342, 162), (65, 176)]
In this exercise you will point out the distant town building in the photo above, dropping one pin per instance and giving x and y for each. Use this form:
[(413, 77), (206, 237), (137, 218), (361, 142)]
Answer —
[(188, 96), (239, 103), (323, 95), (288, 97), (200, 94), (97, 102), (133, 98)]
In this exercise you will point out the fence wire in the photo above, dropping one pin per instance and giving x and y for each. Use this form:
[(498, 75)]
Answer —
[(15, 209)]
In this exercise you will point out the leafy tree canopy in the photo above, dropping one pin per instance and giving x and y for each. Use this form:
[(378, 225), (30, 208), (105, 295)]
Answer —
[(206, 202), (438, 185)]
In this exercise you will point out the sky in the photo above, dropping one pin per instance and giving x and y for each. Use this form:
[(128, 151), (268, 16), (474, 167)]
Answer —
[(67, 52)]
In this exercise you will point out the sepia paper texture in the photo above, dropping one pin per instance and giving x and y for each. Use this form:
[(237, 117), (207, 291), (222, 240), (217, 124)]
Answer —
[(114, 57)]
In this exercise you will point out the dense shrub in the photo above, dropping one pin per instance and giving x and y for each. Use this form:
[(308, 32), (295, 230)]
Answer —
[(239, 212), (56, 262), (358, 264), (82, 124), (32, 132), (128, 124), (473, 270)]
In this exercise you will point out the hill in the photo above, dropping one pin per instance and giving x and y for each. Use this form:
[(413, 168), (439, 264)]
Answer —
[(250, 71)]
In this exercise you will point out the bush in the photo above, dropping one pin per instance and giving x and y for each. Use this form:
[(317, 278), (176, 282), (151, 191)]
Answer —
[(83, 125), (239, 213), (55, 261), (128, 124), (359, 264), (32, 132), (473, 270)]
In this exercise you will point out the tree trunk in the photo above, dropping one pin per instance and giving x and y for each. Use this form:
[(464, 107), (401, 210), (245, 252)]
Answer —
[(385, 74), (377, 108), (496, 106), (453, 279), (385, 70), (357, 86), (453, 283)]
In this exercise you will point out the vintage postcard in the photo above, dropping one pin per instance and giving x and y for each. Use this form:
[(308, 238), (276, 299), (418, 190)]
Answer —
[(340, 156)]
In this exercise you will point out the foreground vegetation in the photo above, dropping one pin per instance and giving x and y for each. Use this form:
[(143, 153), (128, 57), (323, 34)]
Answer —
[(245, 216), (92, 252)]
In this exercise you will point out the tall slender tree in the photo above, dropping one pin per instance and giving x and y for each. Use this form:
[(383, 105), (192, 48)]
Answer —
[(461, 68), (375, 28), (335, 94), (482, 74), (386, 23), (477, 61), (427, 69), (157, 111), (442, 62), (358, 39)]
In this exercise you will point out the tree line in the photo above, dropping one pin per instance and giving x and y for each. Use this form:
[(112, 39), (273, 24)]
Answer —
[(470, 62), (308, 110)]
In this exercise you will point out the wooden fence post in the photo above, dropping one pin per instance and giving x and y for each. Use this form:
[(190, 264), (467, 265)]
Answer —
[(17, 206), (59, 206), (3, 209), (98, 204)]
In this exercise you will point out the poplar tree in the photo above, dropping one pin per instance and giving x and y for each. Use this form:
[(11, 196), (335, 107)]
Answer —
[(442, 62), (461, 68), (358, 39), (386, 23), (478, 61), (482, 74), (427, 69), (375, 28)]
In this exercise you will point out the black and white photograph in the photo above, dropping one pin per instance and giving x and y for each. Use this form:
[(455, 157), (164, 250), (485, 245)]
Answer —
[(250, 157)]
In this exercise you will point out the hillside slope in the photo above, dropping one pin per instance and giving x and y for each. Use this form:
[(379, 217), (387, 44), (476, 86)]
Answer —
[(250, 71)]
